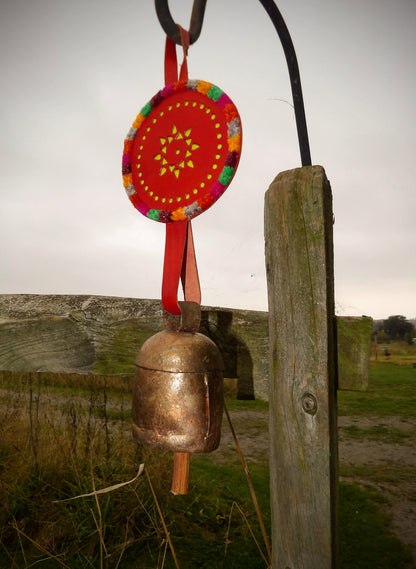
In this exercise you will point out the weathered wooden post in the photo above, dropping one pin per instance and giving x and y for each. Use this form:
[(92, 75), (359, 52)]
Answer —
[(303, 416)]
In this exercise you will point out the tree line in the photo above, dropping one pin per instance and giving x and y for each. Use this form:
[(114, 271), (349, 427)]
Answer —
[(395, 328)]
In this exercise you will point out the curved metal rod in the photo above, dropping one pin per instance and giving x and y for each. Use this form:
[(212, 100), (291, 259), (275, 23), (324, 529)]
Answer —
[(292, 64), (171, 28), (197, 18)]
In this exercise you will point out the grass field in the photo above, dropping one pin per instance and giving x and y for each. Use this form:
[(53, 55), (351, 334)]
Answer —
[(391, 392), (63, 436)]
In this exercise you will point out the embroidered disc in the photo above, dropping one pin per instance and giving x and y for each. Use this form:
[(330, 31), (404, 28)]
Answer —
[(182, 151)]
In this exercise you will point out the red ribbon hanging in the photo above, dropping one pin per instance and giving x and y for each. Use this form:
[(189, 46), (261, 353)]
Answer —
[(180, 260)]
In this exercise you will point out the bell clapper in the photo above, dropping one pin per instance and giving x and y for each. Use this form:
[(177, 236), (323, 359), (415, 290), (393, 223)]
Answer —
[(180, 477)]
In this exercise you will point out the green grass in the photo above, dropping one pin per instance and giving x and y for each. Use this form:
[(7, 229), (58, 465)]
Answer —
[(382, 433), (387, 472), (365, 542), (392, 391), (217, 493), (199, 523), (61, 435), (254, 405)]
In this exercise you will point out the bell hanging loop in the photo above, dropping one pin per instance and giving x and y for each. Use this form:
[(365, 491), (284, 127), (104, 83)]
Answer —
[(171, 28)]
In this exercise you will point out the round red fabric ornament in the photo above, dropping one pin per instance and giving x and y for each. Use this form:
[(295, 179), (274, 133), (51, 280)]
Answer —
[(182, 151)]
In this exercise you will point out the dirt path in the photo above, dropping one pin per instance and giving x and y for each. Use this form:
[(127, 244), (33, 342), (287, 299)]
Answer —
[(387, 451)]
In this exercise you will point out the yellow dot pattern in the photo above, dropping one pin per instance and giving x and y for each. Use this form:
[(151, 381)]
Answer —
[(178, 151), (175, 134)]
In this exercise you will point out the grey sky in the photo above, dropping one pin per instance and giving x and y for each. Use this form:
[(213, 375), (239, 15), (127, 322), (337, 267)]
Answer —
[(75, 75)]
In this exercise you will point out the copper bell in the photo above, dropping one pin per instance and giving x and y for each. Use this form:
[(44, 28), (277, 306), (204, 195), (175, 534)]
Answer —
[(178, 388)]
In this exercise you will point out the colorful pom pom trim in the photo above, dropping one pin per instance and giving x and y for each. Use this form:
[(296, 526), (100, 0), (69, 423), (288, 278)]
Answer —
[(149, 175)]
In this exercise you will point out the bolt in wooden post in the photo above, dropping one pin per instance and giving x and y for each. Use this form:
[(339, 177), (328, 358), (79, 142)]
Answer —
[(303, 441)]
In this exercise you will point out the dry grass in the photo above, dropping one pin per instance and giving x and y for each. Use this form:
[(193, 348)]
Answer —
[(59, 440), (54, 446), (399, 353)]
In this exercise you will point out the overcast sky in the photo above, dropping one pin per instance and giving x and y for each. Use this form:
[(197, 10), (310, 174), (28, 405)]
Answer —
[(75, 75)]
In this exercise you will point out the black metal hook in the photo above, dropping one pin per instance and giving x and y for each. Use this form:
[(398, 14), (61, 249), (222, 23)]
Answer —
[(292, 64), (197, 17), (171, 28)]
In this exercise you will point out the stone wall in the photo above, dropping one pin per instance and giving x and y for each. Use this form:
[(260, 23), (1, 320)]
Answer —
[(102, 335), (96, 334), (354, 347)]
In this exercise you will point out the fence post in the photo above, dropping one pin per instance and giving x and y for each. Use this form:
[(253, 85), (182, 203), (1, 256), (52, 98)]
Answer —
[(303, 441)]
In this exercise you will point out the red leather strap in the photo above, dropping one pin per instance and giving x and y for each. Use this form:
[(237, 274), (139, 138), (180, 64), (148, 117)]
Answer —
[(179, 263), (171, 62), (189, 273), (185, 39), (172, 266), (180, 260)]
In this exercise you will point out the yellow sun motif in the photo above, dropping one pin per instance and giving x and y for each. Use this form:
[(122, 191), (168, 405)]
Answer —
[(176, 151)]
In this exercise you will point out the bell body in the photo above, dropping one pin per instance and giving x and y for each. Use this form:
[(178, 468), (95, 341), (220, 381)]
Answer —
[(178, 393)]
